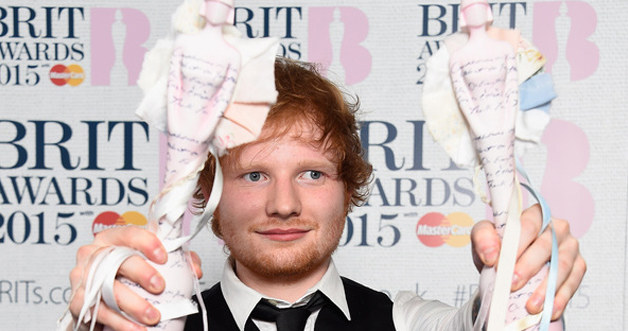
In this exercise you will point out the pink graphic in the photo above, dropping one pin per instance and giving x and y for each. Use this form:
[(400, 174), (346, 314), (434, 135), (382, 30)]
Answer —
[(137, 33), (582, 54), (354, 58), (543, 31), (567, 157), (103, 46)]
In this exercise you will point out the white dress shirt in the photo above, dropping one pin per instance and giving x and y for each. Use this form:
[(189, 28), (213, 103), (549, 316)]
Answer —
[(410, 312)]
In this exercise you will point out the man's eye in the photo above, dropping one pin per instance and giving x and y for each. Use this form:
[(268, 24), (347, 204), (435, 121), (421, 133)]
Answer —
[(313, 174), (253, 176)]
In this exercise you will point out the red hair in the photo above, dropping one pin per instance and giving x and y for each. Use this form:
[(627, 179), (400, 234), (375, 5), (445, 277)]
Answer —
[(306, 97)]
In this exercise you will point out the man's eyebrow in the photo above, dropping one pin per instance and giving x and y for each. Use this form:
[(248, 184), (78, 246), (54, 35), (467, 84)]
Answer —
[(317, 162), (327, 165)]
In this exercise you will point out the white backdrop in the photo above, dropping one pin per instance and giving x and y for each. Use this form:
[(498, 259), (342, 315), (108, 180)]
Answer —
[(72, 153)]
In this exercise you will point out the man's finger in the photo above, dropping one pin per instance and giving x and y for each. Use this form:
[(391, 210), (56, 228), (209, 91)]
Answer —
[(569, 287), (134, 237), (531, 222), (115, 321), (134, 305), (136, 269), (537, 254), (565, 290), (485, 244)]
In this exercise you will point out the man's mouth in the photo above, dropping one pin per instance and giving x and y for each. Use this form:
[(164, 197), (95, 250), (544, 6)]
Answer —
[(277, 234)]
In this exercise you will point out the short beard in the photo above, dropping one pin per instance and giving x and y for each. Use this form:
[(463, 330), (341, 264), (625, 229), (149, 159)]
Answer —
[(288, 265)]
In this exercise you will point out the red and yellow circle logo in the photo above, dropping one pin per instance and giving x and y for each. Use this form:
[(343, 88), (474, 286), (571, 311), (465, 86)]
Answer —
[(110, 219), (72, 75), (435, 229)]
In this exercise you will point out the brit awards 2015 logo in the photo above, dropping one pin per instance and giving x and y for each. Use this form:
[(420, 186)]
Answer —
[(46, 178), (33, 40)]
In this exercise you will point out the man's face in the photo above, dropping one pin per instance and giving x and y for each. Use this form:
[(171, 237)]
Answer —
[(283, 207)]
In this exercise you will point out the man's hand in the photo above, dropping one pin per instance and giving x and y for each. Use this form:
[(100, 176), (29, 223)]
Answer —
[(135, 268), (533, 253)]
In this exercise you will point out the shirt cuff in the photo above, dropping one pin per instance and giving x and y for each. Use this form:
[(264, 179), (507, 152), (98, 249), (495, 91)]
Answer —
[(411, 312)]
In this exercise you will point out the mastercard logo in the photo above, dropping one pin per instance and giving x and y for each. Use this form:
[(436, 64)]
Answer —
[(435, 229), (110, 219), (72, 75)]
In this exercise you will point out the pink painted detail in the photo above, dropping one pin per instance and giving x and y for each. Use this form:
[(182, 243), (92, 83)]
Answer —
[(583, 55), (102, 49), (137, 33), (544, 31), (567, 157), (354, 58)]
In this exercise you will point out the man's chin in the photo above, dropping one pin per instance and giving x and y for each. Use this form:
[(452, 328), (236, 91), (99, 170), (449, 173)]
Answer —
[(291, 270), (284, 262)]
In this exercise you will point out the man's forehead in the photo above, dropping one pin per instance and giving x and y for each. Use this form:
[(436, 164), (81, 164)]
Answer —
[(306, 135), (297, 128)]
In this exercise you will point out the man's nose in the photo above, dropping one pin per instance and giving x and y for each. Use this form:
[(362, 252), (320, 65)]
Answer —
[(284, 200)]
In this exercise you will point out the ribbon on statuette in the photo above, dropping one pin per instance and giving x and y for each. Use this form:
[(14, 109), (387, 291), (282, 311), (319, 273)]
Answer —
[(507, 261)]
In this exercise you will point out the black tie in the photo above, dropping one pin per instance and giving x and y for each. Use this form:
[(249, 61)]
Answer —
[(288, 319)]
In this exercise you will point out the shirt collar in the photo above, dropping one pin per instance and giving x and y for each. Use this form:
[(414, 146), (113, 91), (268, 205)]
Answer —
[(242, 299)]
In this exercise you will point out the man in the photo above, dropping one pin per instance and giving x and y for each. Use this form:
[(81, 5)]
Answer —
[(282, 212)]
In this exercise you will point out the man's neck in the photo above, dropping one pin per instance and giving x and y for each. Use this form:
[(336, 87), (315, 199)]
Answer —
[(288, 288)]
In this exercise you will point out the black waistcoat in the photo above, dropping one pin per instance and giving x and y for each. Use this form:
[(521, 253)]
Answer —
[(370, 310)]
